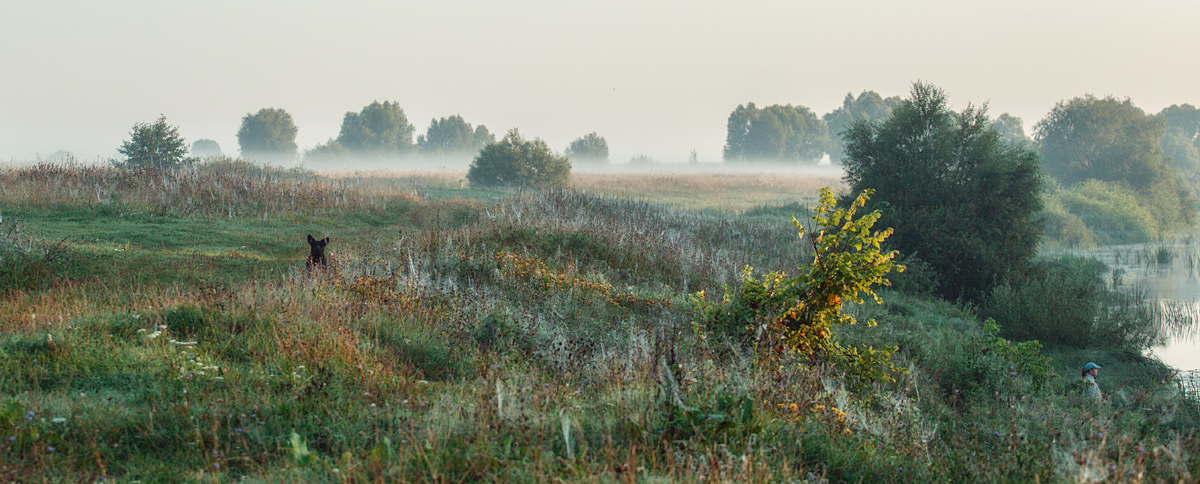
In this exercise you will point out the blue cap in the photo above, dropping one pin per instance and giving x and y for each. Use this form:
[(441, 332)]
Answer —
[(1090, 365)]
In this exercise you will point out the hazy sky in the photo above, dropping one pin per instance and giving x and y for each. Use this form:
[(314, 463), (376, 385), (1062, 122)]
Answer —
[(658, 78)]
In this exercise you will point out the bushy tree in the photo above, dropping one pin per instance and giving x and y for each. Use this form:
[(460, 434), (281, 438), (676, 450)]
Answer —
[(868, 106), (329, 151), (156, 144), (1107, 139), (453, 135), (775, 133), (269, 134), (517, 162), (591, 148), (379, 130), (1011, 128), (959, 197), (204, 148), (1186, 119), (1181, 142)]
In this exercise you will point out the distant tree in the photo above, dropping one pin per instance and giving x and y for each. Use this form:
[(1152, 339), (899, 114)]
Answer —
[(59, 156), (642, 159), (156, 144), (1104, 139), (483, 137), (958, 197), (517, 162), (379, 130), (453, 135), (269, 134), (789, 133), (1114, 141), (868, 106), (329, 151), (1181, 154), (591, 148), (204, 148), (1185, 118), (1011, 128)]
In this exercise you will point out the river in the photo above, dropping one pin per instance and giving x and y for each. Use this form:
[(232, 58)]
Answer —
[(1170, 272)]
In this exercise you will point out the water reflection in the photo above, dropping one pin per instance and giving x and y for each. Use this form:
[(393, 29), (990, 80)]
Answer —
[(1170, 272)]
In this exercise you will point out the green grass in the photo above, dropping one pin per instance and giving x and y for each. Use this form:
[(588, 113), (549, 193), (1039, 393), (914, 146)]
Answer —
[(466, 335)]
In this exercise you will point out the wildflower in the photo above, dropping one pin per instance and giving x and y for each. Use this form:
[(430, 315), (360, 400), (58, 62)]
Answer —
[(1012, 374), (1100, 435), (13, 438), (216, 465), (1112, 468), (51, 449)]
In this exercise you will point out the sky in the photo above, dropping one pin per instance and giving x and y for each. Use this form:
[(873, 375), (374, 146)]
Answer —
[(653, 77)]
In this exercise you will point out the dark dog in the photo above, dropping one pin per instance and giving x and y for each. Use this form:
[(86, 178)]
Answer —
[(316, 255)]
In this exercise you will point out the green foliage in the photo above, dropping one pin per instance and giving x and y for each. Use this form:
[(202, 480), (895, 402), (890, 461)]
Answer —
[(1111, 213), (517, 162), (329, 151), (269, 134), (797, 314), (379, 130), (775, 133), (1066, 302), (591, 148), (868, 107), (1114, 141), (206, 148), (154, 145), (1062, 227), (1186, 119), (958, 197), (1011, 129), (453, 135)]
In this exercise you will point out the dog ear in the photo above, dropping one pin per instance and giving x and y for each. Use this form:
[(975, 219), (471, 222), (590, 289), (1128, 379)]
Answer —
[(326, 240), (311, 240)]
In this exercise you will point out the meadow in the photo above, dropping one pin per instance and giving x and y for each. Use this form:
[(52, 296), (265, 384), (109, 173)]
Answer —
[(160, 326)]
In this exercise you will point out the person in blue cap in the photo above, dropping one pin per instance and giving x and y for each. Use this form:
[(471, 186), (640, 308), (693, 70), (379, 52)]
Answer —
[(1091, 389)]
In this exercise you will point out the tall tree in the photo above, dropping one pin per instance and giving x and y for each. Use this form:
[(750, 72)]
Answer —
[(269, 134), (203, 148), (868, 106), (1011, 128), (453, 135), (1101, 138), (591, 148), (775, 133), (1114, 141), (958, 197), (1186, 119), (379, 130), (156, 145)]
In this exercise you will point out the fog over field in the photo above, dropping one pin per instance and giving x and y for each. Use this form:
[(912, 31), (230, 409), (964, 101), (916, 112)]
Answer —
[(657, 79)]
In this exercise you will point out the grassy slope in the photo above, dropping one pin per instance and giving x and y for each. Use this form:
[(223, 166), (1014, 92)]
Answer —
[(426, 354)]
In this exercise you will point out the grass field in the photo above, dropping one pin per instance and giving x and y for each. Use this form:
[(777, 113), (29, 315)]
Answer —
[(161, 327)]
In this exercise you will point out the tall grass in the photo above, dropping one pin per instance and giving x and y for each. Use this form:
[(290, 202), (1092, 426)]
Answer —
[(544, 336)]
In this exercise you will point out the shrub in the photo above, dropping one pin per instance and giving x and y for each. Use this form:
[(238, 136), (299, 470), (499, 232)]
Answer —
[(1115, 214), (796, 314), (1065, 302), (517, 162)]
